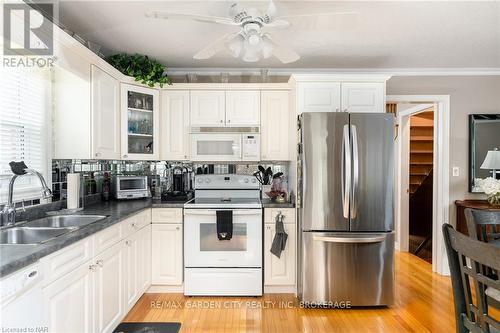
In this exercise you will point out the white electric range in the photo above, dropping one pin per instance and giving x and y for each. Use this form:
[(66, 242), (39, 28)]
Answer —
[(228, 267)]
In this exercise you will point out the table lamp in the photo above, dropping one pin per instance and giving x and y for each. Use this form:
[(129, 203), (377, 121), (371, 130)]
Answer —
[(492, 161)]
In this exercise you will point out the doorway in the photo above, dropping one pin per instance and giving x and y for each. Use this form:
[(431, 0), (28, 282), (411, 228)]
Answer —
[(420, 190), (405, 106)]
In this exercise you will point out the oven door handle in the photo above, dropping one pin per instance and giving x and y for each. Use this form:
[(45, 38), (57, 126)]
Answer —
[(211, 212)]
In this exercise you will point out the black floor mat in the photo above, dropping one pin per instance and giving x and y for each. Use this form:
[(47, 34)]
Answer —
[(148, 328)]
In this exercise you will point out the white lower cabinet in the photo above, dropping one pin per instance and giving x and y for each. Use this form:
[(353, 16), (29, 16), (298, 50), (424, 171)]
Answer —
[(131, 270), (279, 271), (67, 302), (96, 295), (167, 254), (108, 288), (144, 261)]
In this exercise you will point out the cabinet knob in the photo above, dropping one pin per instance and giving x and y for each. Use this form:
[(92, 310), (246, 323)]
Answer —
[(133, 225), (268, 228), (92, 268), (185, 157), (125, 156), (99, 262), (177, 228), (97, 154), (128, 243), (221, 121), (337, 110), (228, 120)]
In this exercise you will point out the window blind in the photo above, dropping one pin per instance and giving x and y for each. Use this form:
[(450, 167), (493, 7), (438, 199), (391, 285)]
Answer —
[(24, 114)]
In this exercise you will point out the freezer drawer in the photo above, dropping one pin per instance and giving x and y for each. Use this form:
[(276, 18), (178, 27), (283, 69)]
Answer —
[(347, 267)]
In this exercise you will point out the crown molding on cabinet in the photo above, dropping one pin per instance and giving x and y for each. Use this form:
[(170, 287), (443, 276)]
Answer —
[(444, 71)]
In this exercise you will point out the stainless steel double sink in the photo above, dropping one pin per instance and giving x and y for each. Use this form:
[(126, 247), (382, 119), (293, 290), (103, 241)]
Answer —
[(45, 229)]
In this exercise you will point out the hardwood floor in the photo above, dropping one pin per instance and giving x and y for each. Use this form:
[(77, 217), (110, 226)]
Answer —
[(424, 303)]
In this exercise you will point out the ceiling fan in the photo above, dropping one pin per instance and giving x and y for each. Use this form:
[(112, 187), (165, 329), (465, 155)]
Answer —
[(253, 41)]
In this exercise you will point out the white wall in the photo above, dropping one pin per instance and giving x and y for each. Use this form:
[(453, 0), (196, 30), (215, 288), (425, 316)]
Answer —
[(468, 95)]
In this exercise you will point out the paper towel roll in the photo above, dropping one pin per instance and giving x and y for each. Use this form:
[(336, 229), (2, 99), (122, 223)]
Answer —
[(73, 190)]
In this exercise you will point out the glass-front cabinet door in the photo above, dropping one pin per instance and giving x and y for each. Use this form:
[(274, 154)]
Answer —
[(140, 123)]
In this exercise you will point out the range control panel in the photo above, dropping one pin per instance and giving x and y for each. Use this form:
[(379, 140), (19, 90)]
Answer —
[(226, 181)]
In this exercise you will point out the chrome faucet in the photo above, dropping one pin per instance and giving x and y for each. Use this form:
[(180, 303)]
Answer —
[(8, 214)]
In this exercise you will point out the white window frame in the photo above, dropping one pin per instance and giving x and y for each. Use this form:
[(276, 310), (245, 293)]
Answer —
[(34, 192)]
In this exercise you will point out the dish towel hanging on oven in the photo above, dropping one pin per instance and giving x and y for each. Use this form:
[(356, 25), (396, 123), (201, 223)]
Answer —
[(279, 241), (224, 224)]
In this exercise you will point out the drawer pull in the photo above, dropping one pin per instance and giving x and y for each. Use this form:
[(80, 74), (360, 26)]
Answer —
[(99, 262)]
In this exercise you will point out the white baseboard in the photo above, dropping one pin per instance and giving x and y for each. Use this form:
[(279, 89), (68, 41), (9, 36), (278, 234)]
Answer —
[(165, 289), (280, 289)]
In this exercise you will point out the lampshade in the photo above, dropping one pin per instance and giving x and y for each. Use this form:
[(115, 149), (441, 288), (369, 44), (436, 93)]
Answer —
[(492, 160)]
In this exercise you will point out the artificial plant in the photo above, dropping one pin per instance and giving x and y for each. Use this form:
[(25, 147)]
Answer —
[(141, 68)]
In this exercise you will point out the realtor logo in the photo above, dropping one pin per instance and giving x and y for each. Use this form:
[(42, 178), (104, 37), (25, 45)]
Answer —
[(27, 30)]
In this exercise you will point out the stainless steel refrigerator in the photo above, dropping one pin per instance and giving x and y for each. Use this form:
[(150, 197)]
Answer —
[(345, 192)]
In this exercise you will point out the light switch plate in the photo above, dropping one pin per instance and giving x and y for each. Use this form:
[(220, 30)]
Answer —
[(456, 171)]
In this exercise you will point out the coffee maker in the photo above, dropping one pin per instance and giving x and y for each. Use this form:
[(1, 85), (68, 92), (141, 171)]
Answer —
[(178, 184)]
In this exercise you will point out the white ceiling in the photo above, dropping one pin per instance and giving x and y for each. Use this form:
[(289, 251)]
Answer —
[(388, 34)]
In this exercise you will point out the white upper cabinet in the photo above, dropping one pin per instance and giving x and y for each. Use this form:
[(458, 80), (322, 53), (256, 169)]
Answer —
[(275, 127), (140, 123), (319, 97), (71, 102), (174, 127), (207, 108), (363, 97), (242, 108), (105, 115)]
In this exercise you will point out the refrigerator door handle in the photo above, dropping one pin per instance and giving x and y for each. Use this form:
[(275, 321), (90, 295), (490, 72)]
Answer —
[(346, 172), (350, 240), (355, 168)]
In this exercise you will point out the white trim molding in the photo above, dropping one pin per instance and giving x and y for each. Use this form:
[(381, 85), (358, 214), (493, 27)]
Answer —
[(451, 71), (441, 205)]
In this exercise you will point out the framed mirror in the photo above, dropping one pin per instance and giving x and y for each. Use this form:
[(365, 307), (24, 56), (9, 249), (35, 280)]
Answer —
[(484, 135)]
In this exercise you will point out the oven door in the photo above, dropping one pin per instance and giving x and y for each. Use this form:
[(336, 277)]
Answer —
[(216, 147), (202, 248)]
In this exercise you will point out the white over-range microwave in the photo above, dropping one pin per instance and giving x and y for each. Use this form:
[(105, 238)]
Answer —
[(225, 144)]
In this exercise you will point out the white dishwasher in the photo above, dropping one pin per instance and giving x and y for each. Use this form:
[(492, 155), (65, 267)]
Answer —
[(21, 301)]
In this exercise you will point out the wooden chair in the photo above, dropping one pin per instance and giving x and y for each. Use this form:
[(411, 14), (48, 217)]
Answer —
[(482, 225), (466, 256)]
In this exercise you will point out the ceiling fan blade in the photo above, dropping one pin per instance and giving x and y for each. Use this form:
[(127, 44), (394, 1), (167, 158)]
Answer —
[(320, 21), (192, 17), (214, 47), (284, 54), (271, 10)]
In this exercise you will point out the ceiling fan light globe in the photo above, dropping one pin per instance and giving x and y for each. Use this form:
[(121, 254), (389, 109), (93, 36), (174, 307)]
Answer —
[(236, 45), (251, 56), (267, 47), (253, 39)]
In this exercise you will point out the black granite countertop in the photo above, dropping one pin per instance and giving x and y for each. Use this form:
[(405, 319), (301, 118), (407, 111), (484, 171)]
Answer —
[(267, 203), (16, 256)]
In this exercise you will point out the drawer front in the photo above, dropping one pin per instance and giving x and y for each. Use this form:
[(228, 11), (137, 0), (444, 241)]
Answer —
[(67, 259), (167, 215), (136, 222), (107, 238), (271, 213)]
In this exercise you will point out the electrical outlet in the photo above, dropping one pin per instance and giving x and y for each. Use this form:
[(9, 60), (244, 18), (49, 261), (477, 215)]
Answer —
[(456, 171)]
